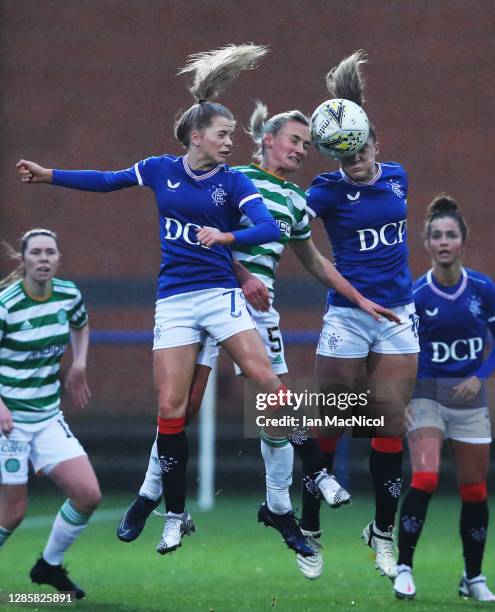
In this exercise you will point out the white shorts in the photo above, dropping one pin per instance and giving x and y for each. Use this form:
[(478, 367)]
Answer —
[(470, 425), (45, 444), (208, 354), (185, 318), (267, 323), (351, 332)]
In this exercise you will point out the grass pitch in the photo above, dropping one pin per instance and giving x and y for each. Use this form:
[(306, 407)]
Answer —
[(234, 564)]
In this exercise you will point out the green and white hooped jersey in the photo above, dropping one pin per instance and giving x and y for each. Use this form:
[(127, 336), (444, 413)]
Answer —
[(33, 338), (287, 204)]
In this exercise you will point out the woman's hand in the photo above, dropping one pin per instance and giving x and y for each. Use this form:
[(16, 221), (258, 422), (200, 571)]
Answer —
[(256, 293), (467, 389), (6, 421), (209, 236), (31, 172), (377, 312), (77, 385)]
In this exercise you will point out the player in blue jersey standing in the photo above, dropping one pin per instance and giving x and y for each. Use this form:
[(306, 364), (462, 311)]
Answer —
[(38, 315), (200, 202), (363, 208), (456, 307)]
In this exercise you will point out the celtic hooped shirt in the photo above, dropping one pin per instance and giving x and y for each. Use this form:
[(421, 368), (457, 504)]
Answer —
[(33, 338)]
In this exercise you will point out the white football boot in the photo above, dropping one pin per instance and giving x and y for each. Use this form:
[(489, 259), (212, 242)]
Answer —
[(475, 588), (330, 489), (404, 583), (176, 527), (382, 542), (311, 567)]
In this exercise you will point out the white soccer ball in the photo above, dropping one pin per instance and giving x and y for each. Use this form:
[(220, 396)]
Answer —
[(339, 128)]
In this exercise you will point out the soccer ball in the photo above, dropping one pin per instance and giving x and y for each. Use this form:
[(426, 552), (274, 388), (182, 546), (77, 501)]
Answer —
[(339, 128)]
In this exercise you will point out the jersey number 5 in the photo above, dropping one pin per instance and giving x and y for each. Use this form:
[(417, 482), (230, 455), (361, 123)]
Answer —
[(274, 337)]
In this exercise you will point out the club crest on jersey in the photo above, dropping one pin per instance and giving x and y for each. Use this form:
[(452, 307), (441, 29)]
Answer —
[(353, 198), (219, 195), (474, 305), (62, 316), (397, 189)]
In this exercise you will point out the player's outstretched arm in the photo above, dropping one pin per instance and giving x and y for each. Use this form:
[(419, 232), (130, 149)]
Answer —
[(31, 172), (323, 269)]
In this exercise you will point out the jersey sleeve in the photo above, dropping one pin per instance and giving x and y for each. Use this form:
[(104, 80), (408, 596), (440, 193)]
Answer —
[(147, 170), (142, 173), (317, 198), (264, 228), (302, 229), (77, 314), (95, 180), (490, 305), (244, 191), (488, 366)]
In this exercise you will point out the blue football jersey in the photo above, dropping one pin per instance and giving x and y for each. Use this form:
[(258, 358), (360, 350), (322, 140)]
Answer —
[(453, 328), (367, 227), (188, 200)]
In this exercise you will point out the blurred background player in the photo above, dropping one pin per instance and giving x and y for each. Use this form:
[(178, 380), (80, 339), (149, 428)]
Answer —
[(456, 307), (38, 315), (282, 145), (363, 208), (200, 200)]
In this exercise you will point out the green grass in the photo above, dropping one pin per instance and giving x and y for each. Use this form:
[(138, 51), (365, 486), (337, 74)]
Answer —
[(233, 564)]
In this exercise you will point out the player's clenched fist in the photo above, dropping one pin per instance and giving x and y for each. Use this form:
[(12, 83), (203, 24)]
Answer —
[(30, 172)]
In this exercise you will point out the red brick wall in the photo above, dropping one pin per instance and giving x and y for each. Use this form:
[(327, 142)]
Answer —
[(92, 84)]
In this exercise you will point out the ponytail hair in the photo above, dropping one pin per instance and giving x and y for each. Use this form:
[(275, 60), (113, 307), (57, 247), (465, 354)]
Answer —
[(212, 72), (441, 206), (11, 253), (259, 125), (346, 81)]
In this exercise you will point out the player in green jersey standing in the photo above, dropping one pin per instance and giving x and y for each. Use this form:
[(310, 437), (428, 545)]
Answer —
[(38, 316)]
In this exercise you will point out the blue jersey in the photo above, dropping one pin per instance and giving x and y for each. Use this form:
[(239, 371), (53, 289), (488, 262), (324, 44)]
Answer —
[(453, 326), (366, 224), (188, 200)]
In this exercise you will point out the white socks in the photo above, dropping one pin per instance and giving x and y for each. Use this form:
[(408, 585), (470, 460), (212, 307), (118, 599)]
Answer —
[(152, 485), (67, 526), (278, 455)]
